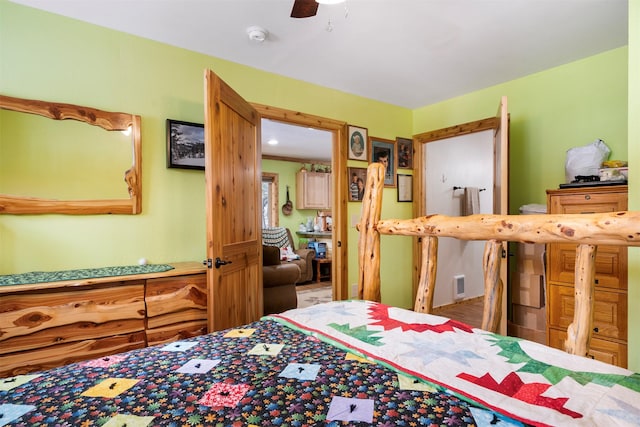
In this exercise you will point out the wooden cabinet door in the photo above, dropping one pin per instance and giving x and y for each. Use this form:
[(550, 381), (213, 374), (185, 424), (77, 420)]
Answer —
[(611, 261), (313, 190), (609, 311)]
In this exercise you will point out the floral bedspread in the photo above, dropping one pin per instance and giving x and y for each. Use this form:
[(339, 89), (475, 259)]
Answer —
[(268, 373), (517, 378)]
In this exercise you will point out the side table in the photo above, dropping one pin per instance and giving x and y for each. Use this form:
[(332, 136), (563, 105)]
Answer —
[(318, 262)]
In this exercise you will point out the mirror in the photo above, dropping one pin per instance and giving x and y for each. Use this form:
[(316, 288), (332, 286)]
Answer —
[(82, 176)]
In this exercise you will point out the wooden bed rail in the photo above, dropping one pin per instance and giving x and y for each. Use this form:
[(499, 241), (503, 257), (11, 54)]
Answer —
[(586, 230)]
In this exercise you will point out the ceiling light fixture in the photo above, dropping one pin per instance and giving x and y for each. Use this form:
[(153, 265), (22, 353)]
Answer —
[(257, 34), (272, 141)]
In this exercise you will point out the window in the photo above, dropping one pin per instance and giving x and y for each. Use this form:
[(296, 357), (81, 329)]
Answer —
[(270, 216)]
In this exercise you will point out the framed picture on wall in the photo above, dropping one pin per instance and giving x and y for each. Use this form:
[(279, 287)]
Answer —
[(357, 180), (383, 151), (357, 143), (185, 145), (405, 188), (405, 153)]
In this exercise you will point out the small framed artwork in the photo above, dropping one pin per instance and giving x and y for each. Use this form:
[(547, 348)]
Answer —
[(383, 151), (357, 143), (405, 188), (357, 180), (405, 153), (185, 145)]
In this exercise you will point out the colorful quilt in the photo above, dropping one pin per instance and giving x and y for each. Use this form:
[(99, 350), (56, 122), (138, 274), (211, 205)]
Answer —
[(268, 373), (524, 380), (351, 363)]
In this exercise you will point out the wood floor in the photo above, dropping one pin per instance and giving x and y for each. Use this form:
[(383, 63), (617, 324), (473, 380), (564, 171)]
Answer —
[(467, 311)]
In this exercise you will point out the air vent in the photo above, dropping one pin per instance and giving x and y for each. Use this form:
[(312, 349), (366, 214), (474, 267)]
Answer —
[(458, 286)]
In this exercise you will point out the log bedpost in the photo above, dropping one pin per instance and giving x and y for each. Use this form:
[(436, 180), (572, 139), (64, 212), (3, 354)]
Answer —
[(428, 269), (369, 241), (493, 286), (579, 331)]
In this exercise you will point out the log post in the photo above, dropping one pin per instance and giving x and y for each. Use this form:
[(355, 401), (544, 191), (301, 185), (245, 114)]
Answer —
[(428, 269), (579, 331), (493, 286), (369, 240)]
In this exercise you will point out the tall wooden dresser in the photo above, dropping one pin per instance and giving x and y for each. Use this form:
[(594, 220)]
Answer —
[(609, 336)]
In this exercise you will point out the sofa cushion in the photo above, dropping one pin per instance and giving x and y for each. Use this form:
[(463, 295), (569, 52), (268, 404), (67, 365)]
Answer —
[(270, 255)]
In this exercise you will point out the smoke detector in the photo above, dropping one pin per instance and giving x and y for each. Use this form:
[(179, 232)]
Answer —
[(257, 34)]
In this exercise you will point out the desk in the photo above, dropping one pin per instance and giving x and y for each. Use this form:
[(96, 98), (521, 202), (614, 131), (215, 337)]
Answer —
[(318, 262)]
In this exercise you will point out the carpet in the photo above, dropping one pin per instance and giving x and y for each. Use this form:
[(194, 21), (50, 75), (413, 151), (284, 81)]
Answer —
[(310, 297)]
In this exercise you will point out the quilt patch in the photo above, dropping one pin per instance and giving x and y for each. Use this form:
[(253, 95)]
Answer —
[(110, 387)]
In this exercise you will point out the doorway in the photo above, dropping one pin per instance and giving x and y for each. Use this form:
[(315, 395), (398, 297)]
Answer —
[(337, 165)]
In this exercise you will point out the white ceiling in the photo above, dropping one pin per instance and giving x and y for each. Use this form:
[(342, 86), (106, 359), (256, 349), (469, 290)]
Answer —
[(409, 53)]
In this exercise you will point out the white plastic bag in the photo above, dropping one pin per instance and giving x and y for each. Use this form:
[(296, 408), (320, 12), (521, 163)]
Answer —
[(585, 160)]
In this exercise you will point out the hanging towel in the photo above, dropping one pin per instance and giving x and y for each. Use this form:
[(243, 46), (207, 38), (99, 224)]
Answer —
[(471, 201)]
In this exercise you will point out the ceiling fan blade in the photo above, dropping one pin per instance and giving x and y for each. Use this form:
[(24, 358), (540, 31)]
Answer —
[(304, 8)]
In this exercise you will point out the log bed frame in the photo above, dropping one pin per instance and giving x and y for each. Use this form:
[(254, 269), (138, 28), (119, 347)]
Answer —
[(586, 230)]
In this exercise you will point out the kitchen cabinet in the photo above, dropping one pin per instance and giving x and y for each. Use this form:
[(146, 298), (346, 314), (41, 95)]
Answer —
[(609, 335), (313, 190)]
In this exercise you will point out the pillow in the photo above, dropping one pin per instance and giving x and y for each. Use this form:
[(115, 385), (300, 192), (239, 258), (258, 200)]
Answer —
[(270, 255)]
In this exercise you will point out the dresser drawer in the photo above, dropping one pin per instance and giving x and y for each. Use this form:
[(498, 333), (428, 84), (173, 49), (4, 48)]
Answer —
[(605, 351), (177, 299), (39, 319), (585, 201), (610, 260), (609, 311)]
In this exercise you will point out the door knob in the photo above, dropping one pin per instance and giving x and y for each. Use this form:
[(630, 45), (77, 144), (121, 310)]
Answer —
[(220, 262)]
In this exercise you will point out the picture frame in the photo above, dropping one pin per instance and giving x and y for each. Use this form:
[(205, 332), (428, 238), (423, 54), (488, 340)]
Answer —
[(357, 182), (380, 148), (405, 153), (405, 188), (185, 145), (357, 146)]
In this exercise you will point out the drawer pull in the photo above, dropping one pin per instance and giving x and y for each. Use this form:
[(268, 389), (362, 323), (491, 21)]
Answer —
[(588, 212), (587, 197), (596, 330)]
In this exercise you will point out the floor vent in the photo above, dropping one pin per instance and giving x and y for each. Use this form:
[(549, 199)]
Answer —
[(458, 286)]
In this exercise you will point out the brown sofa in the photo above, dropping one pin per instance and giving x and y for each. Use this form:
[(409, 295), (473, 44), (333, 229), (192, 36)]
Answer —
[(281, 237), (278, 282)]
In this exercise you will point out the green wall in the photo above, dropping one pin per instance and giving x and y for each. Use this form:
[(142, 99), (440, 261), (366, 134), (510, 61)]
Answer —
[(92, 66), (550, 112)]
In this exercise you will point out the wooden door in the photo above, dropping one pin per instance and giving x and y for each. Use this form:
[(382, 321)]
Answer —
[(232, 176), (501, 193)]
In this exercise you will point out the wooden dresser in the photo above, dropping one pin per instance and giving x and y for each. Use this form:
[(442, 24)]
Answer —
[(44, 325), (609, 336)]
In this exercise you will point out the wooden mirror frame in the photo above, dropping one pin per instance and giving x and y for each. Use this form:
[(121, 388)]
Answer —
[(104, 119)]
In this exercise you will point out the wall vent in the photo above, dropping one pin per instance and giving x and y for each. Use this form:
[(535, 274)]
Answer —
[(458, 286)]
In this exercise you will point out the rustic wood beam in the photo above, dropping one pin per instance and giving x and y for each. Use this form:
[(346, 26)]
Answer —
[(427, 281), (369, 241), (610, 228), (493, 287), (579, 331)]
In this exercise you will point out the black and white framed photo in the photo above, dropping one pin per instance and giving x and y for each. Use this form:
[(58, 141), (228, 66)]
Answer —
[(383, 151), (357, 143), (405, 188), (185, 145), (405, 153)]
